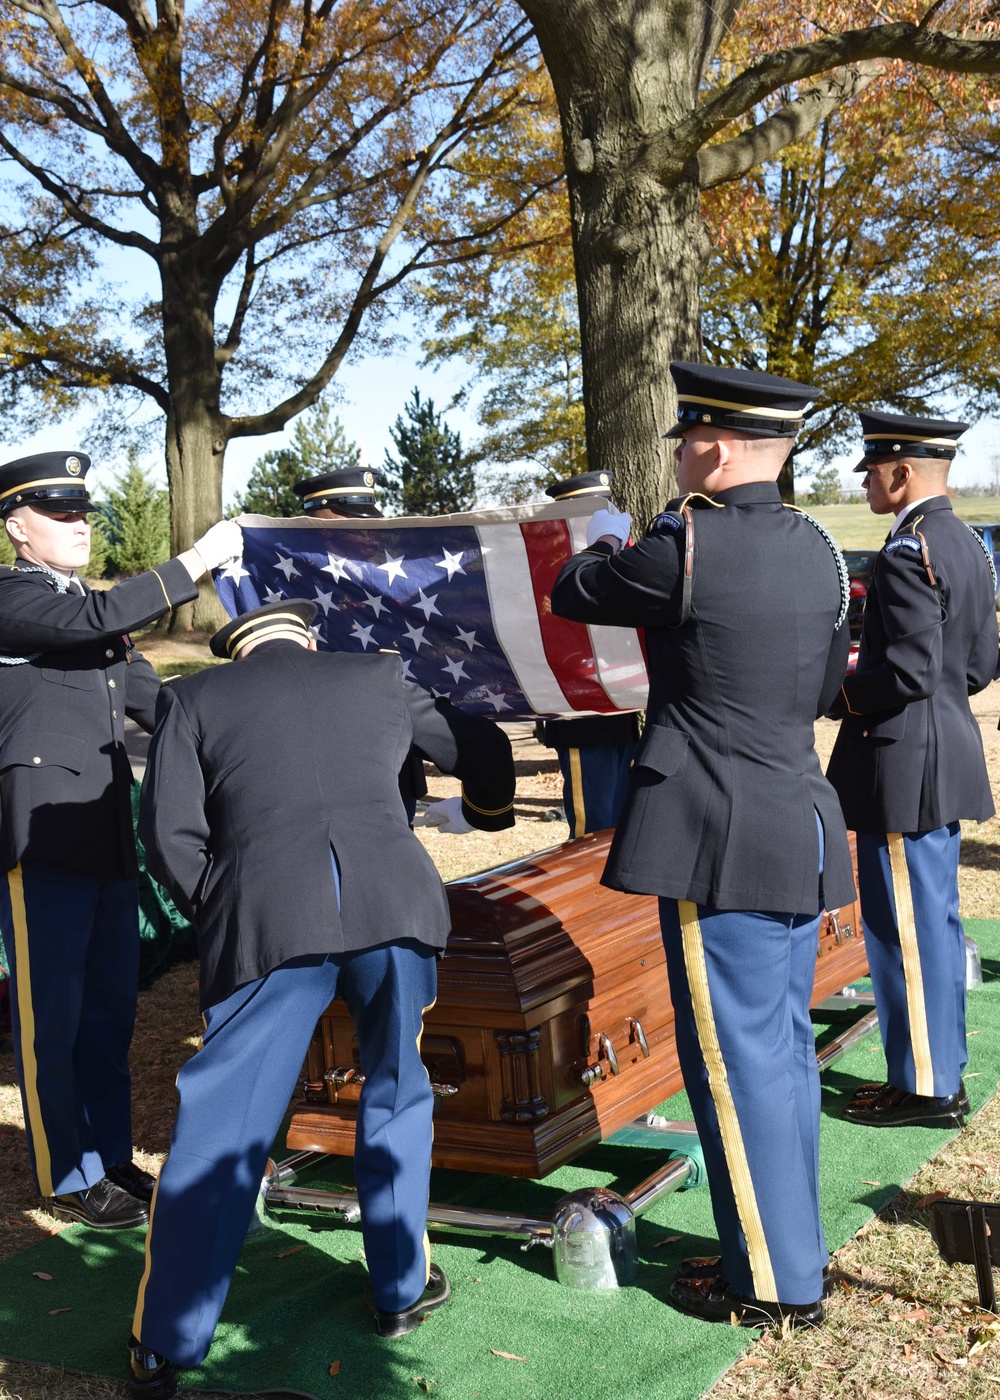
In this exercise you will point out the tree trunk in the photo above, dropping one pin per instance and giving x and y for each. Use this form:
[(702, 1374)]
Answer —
[(196, 429), (623, 71), (639, 309)]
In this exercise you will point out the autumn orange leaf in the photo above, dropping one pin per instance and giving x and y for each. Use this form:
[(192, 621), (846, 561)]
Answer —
[(929, 1200)]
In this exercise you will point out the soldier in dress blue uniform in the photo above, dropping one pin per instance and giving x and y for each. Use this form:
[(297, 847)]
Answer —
[(270, 812), (594, 751), (908, 764), (69, 675), (728, 818)]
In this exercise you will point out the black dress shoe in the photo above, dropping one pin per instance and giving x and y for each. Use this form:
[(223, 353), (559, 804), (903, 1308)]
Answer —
[(710, 1266), (397, 1324), (103, 1206), (150, 1376), (865, 1093), (713, 1300), (133, 1180), (895, 1108)]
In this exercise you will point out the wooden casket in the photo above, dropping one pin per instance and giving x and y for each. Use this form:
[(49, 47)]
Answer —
[(553, 1026)]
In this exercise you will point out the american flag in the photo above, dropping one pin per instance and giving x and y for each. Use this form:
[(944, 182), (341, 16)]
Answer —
[(464, 599)]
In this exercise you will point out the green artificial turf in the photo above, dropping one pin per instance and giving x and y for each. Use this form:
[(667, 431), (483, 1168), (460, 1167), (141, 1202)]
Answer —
[(298, 1303)]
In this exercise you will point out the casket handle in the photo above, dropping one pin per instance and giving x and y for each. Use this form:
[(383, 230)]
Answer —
[(340, 1076), (635, 1025), (593, 1073)]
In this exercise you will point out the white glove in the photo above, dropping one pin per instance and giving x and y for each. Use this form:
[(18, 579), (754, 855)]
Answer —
[(609, 522), (222, 542), (446, 816)]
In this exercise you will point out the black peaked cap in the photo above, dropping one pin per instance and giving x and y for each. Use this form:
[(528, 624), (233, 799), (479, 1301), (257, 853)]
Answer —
[(287, 618), (586, 484), (350, 492), (52, 481), (742, 400), (902, 435)]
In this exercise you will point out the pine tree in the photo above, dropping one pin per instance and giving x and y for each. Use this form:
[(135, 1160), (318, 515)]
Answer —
[(826, 490), (432, 475), (269, 486), (100, 548), (137, 521), (319, 445)]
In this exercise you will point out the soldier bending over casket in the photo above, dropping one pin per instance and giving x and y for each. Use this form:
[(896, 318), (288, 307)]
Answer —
[(271, 811)]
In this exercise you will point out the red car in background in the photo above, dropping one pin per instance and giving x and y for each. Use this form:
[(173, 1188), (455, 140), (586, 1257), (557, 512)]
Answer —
[(860, 563)]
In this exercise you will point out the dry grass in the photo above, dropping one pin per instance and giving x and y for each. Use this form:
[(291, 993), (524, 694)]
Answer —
[(900, 1323)]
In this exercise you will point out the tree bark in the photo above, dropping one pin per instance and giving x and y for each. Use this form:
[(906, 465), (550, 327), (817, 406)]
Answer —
[(196, 430), (622, 72)]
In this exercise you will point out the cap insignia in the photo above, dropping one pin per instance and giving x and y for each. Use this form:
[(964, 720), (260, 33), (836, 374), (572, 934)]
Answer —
[(73, 466)]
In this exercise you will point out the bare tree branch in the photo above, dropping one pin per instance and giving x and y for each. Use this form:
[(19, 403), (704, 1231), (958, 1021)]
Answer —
[(74, 208), (666, 155), (803, 114), (114, 131), (75, 372)]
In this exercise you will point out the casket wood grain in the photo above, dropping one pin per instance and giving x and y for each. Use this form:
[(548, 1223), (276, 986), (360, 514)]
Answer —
[(553, 1026)]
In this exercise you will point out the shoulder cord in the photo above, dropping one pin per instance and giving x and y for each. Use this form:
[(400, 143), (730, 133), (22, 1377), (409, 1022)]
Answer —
[(839, 560), (989, 557), (60, 584)]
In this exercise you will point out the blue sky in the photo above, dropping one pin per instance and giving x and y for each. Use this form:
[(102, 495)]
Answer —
[(370, 393)]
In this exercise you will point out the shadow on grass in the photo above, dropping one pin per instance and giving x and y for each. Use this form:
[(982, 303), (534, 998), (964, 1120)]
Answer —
[(980, 855)]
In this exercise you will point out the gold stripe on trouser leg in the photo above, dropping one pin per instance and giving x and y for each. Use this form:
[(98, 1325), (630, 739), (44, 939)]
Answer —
[(26, 1017), (913, 974), (576, 788), (427, 1243), (140, 1301), (729, 1124)]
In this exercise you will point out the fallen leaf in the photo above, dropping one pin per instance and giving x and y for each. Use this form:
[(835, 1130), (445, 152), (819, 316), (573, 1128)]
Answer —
[(46, 1277), (334, 1367), (507, 1355), (948, 1360), (984, 1337), (881, 1297), (53, 1311), (978, 1167), (753, 1361), (423, 1382), (670, 1239), (929, 1200), (906, 1349), (296, 1249), (871, 1183)]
